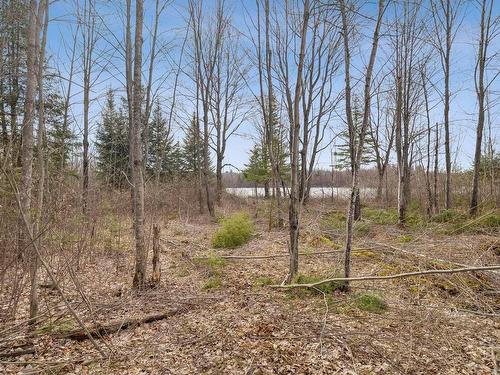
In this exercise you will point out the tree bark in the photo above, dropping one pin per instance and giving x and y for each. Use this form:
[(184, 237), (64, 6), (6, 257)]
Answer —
[(137, 165), (155, 277)]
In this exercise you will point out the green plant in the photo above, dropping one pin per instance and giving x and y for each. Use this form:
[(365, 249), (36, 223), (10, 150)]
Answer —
[(446, 216), (370, 303), (235, 231), (381, 216), (334, 220), (405, 238), (326, 288), (263, 281), (212, 283)]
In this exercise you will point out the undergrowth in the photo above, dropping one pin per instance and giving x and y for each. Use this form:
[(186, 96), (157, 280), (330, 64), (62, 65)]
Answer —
[(235, 231)]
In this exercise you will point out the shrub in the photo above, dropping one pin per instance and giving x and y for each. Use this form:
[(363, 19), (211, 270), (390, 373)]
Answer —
[(370, 303), (235, 231)]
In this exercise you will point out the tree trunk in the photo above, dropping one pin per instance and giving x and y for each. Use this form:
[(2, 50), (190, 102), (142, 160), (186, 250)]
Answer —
[(42, 14), (360, 144), (137, 170), (294, 208), (155, 277), (480, 91)]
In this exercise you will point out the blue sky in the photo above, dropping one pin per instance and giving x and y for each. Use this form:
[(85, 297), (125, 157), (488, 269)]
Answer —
[(463, 113)]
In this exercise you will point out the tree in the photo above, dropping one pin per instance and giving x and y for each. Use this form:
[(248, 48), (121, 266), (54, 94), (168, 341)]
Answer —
[(164, 158), (358, 150), (444, 14), (34, 17), (257, 169), (112, 145), (343, 155), (136, 149), (488, 31)]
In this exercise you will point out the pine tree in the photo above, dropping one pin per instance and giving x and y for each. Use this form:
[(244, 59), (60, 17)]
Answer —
[(164, 159), (343, 154), (191, 151), (257, 170), (112, 144), (61, 140)]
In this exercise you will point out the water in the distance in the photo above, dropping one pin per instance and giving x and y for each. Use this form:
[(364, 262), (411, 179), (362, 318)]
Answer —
[(316, 192)]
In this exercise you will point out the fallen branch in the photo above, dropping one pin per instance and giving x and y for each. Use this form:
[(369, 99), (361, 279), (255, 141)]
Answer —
[(17, 353), (270, 256), (114, 326), (388, 277)]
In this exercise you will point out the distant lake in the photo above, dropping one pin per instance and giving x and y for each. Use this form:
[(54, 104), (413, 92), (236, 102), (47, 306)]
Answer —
[(316, 192)]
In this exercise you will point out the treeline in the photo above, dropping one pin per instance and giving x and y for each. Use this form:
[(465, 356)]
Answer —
[(165, 157)]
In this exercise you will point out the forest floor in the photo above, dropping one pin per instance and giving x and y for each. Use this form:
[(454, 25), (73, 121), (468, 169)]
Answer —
[(226, 319)]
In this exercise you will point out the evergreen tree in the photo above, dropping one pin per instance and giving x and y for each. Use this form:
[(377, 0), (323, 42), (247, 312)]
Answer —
[(164, 159), (112, 144), (61, 140), (192, 151), (257, 170), (343, 154)]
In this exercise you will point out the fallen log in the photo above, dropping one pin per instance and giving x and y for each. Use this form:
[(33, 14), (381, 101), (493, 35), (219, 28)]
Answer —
[(388, 277), (100, 330), (284, 255)]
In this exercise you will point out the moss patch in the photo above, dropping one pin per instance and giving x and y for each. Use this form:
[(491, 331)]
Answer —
[(370, 303)]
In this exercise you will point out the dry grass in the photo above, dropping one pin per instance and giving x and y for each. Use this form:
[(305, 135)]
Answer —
[(233, 323)]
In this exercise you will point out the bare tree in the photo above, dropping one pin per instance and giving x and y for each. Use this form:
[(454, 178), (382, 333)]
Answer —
[(137, 151), (227, 107), (43, 17), (27, 148), (408, 43), (364, 126), (445, 14), (488, 31), (381, 130)]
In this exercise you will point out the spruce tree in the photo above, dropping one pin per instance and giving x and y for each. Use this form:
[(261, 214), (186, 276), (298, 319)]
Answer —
[(112, 144), (164, 159), (191, 151)]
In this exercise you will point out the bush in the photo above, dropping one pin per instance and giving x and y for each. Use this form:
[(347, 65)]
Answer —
[(370, 303), (235, 231)]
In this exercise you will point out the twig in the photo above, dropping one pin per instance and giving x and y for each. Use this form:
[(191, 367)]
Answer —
[(388, 277)]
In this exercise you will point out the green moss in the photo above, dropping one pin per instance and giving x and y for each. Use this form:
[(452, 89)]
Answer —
[(236, 230), (61, 326), (263, 281), (334, 220), (370, 303), (214, 264), (212, 283), (448, 216), (405, 238), (311, 279), (381, 216)]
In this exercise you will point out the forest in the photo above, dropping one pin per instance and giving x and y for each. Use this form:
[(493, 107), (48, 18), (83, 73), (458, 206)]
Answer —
[(249, 187)]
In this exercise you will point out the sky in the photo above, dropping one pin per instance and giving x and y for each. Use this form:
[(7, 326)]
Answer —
[(172, 30)]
